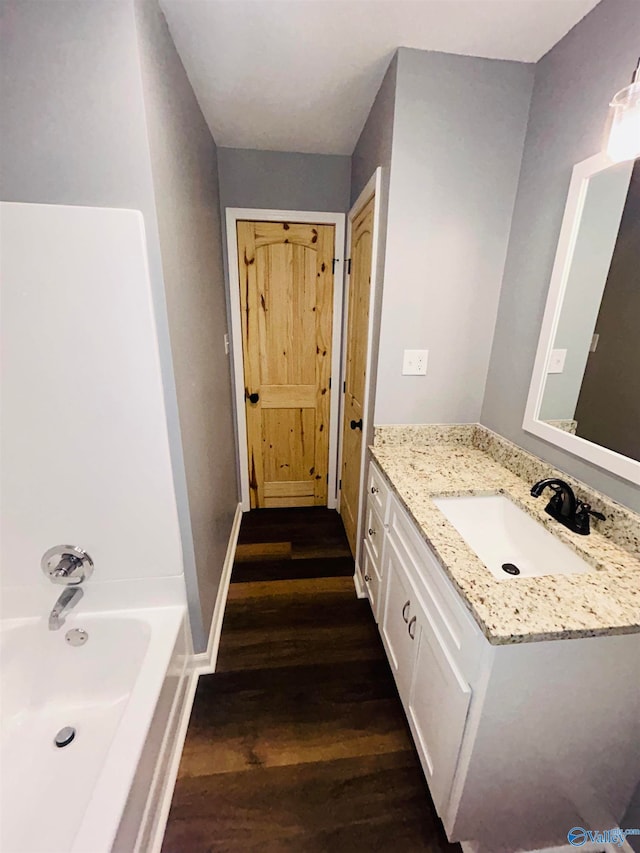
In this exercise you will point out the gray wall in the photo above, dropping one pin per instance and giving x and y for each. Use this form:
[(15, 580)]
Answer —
[(283, 180), (373, 147), (458, 136), (185, 177), (74, 132), (573, 86)]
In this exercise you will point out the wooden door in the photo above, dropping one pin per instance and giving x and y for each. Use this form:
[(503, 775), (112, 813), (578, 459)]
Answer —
[(286, 301), (356, 367)]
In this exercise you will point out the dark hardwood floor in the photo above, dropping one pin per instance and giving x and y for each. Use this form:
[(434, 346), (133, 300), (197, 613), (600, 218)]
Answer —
[(299, 741)]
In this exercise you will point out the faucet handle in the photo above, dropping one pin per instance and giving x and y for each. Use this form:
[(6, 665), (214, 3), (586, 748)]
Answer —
[(583, 511), (67, 564), (586, 508)]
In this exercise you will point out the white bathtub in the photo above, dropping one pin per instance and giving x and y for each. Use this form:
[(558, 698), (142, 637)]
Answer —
[(72, 799)]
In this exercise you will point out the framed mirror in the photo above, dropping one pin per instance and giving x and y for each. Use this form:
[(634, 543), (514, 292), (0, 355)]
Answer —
[(585, 389)]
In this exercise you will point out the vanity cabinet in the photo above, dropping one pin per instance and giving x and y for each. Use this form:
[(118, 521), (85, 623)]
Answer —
[(432, 644), (504, 733), (434, 692)]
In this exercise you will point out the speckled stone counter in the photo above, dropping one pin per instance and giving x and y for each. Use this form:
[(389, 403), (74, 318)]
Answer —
[(424, 462)]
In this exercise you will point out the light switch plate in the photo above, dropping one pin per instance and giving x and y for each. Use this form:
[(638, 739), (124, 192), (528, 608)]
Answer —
[(556, 361), (414, 362)]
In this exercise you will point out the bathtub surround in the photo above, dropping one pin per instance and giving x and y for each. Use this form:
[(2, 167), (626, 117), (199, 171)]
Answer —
[(421, 462), (97, 111), (85, 447), (574, 83)]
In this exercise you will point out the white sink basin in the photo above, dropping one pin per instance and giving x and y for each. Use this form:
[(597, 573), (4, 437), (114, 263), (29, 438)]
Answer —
[(501, 534)]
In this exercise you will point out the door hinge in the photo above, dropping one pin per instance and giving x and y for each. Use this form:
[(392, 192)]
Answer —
[(348, 266), (327, 478), (340, 484), (334, 261), (344, 387), (329, 383)]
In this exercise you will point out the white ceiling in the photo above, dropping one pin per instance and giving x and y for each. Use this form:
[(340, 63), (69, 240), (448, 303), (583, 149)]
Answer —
[(301, 75)]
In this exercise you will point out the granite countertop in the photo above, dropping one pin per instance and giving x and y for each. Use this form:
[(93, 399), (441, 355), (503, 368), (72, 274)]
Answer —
[(601, 602)]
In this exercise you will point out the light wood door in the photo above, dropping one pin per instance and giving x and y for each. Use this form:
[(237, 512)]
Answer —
[(286, 301), (356, 367)]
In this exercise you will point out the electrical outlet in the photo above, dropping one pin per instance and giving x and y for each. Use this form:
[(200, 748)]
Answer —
[(414, 362), (556, 361)]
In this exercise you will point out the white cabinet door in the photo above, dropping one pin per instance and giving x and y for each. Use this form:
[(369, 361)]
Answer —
[(399, 621), (437, 711)]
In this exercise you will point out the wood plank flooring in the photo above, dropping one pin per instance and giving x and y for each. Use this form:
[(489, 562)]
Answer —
[(299, 741)]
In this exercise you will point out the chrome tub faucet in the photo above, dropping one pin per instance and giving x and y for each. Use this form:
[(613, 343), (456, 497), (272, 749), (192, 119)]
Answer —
[(70, 566), (67, 600)]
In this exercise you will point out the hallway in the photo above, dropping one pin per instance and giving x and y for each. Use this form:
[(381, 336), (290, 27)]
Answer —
[(299, 741)]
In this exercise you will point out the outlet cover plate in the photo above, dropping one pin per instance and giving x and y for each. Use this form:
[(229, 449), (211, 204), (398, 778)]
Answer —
[(414, 362)]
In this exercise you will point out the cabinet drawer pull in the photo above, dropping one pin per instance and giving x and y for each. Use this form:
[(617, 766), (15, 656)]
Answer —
[(412, 624), (367, 578), (404, 613), (374, 490), (372, 532)]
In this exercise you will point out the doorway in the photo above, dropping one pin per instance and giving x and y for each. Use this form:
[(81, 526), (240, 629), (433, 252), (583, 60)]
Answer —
[(362, 248), (286, 272)]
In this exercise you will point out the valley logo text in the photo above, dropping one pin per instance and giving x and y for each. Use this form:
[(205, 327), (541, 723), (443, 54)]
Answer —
[(579, 836)]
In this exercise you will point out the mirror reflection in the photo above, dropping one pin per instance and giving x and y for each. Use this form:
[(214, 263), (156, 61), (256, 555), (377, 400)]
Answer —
[(592, 385)]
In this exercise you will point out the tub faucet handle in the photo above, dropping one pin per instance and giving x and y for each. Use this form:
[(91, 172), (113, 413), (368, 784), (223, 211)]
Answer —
[(67, 564)]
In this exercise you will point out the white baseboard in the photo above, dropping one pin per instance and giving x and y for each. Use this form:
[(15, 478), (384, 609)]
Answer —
[(169, 783), (205, 662), (357, 582)]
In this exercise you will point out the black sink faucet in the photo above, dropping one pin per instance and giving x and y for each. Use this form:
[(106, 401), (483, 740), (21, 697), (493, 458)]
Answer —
[(564, 507)]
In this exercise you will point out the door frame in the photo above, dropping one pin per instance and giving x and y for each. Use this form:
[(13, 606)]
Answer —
[(373, 187), (233, 214)]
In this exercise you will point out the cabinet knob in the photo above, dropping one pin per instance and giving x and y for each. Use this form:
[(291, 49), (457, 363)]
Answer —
[(412, 624), (374, 490), (367, 578), (372, 532), (404, 611)]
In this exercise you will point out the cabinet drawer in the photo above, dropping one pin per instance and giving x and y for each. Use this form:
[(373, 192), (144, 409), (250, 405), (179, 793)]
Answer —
[(372, 579), (377, 490), (450, 618), (374, 532), (398, 626)]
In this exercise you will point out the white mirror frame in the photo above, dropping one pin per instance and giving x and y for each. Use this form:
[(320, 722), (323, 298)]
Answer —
[(609, 460)]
